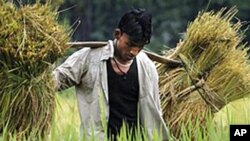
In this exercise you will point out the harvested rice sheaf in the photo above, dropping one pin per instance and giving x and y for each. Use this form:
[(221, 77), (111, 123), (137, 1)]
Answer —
[(31, 39), (214, 71)]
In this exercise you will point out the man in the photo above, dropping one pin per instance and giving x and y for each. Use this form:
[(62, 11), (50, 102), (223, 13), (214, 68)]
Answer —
[(122, 75)]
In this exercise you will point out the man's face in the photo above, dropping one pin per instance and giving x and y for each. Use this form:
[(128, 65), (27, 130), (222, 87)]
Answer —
[(126, 50)]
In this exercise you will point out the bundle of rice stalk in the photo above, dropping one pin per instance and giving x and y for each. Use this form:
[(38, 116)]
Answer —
[(214, 71), (31, 39)]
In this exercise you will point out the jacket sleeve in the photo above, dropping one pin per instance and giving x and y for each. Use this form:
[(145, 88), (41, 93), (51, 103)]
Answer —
[(72, 70)]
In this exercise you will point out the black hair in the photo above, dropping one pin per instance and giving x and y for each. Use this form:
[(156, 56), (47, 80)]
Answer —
[(136, 23)]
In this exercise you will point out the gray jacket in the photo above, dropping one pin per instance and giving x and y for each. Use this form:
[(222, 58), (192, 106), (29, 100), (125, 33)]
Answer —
[(86, 70)]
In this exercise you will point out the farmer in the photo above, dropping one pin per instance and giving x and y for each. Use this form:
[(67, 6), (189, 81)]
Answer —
[(118, 80)]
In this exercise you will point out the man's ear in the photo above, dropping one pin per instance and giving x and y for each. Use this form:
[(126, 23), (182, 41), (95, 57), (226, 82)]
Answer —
[(117, 33)]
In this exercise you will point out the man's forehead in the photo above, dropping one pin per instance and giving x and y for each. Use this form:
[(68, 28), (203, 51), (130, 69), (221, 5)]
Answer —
[(131, 42)]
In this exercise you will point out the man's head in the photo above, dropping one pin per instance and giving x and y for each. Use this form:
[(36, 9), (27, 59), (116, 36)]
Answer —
[(137, 25), (133, 32)]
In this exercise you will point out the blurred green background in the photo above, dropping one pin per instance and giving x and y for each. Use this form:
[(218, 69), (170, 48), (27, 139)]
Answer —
[(96, 19)]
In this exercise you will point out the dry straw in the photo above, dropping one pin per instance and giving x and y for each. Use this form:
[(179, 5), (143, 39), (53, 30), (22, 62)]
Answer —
[(30, 40), (214, 70)]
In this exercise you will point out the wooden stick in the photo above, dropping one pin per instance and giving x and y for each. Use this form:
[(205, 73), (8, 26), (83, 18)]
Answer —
[(151, 55), (92, 44)]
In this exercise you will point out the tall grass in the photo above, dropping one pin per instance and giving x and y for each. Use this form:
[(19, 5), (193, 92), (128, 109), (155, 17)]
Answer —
[(66, 123)]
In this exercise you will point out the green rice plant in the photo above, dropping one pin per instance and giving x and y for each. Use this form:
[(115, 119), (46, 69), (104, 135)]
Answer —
[(65, 98), (62, 127)]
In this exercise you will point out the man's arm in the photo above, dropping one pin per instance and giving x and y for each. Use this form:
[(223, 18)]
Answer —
[(71, 71)]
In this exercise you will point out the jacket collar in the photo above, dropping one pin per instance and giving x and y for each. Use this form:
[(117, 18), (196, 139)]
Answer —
[(108, 51)]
